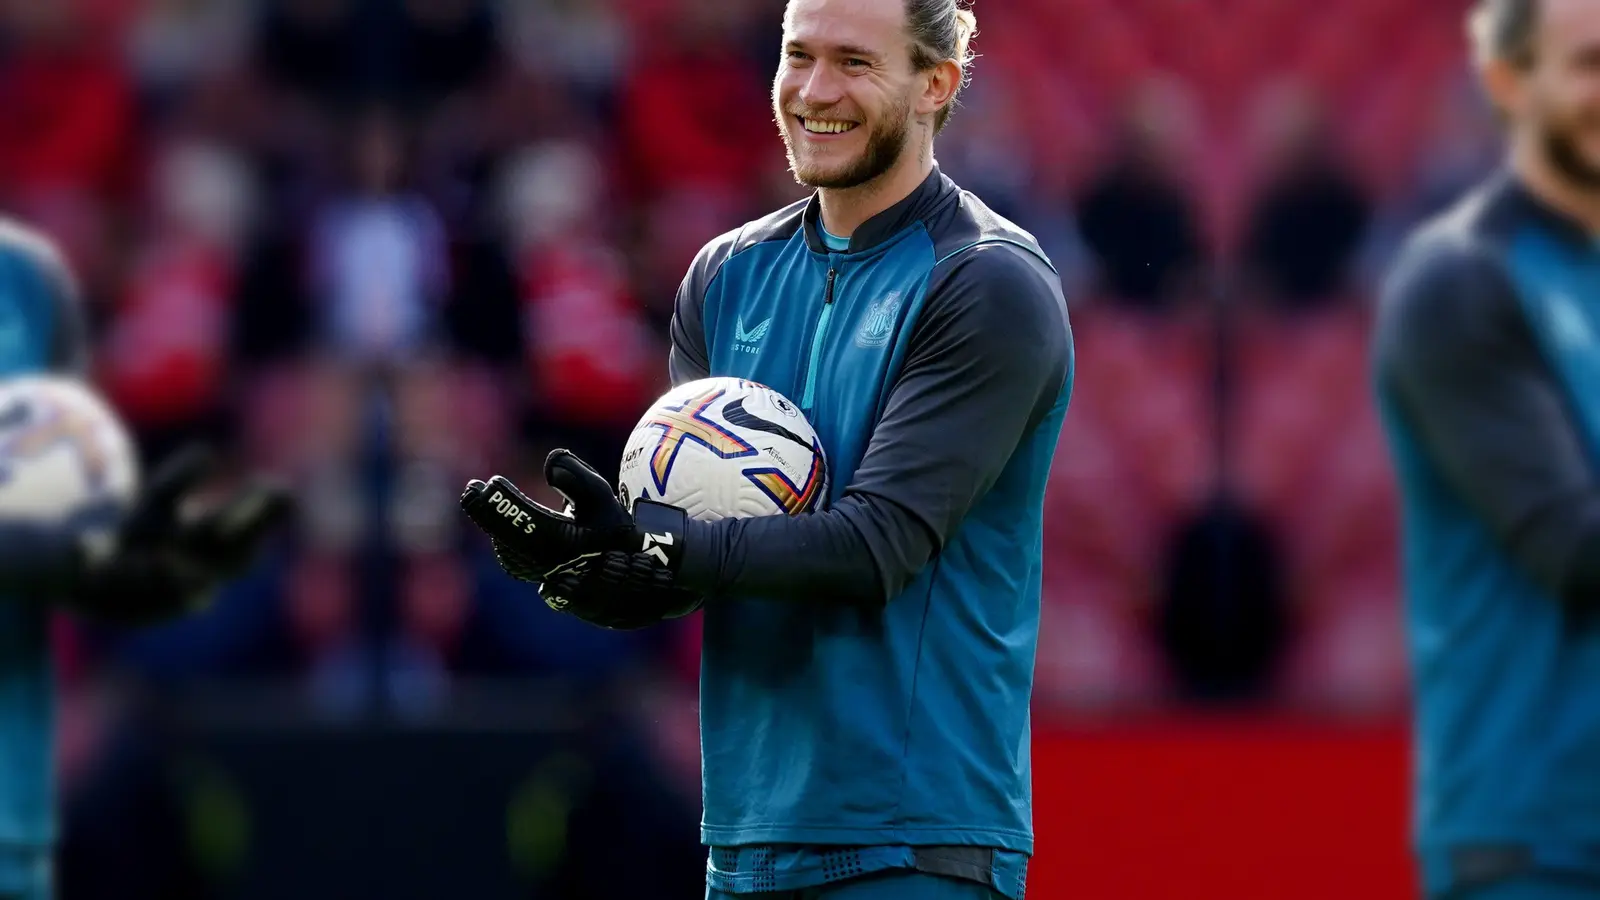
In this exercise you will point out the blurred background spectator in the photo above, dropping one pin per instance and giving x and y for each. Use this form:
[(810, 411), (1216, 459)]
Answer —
[(380, 246), (1137, 214), (1310, 213)]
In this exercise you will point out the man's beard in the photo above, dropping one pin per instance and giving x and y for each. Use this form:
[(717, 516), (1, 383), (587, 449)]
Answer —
[(1561, 149), (884, 146)]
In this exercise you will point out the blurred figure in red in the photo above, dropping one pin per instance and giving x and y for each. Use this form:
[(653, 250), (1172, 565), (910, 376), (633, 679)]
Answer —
[(717, 142), (592, 360), (165, 355), (67, 100), (66, 132)]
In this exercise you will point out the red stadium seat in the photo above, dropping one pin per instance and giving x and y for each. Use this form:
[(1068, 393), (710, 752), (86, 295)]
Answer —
[(1094, 647), (1311, 453)]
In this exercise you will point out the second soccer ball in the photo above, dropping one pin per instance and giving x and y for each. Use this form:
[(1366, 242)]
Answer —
[(64, 453)]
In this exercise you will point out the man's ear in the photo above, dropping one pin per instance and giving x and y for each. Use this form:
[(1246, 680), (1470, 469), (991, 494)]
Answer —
[(943, 81), (1503, 82)]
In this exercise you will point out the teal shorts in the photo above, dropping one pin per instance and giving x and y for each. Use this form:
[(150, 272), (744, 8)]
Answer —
[(25, 874), (891, 885), (1533, 886)]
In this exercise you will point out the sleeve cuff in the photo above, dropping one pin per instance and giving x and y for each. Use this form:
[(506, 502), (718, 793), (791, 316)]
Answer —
[(1582, 588), (700, 567)]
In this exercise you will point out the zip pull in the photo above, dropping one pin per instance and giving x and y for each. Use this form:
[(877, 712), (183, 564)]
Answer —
[(817, 340)]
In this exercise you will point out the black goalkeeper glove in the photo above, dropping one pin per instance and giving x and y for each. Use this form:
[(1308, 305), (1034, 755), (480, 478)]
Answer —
[(168, 559), (618, 590), (597, 560)]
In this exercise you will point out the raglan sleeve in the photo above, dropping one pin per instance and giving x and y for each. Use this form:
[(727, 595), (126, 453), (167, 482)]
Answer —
[(689, 358), (987, 361), (69, 338), (1457, 356)]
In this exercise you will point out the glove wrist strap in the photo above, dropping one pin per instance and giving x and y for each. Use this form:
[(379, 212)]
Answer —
[(661, 530)]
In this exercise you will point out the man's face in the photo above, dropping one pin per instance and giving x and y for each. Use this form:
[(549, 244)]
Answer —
[(1559, 94), (845, 90)]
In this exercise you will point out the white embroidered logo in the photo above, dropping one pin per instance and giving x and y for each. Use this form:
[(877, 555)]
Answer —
[(877, 326), (748, 341)]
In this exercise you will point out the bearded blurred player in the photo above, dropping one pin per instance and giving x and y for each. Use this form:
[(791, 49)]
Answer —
[(163, 560), (867, 669), (1487, 359)]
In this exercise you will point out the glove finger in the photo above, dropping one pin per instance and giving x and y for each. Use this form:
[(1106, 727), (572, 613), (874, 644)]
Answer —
[(177, 475), (251, 514), (95, 528), (501, 510), (592, 499), (616, 590), (517, 564), (509, 491), (498, 492), (557, 594), (574, 568), (229, 536)]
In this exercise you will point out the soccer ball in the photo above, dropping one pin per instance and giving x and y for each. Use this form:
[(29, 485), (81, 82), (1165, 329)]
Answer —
[(725, 447), (63, 451)]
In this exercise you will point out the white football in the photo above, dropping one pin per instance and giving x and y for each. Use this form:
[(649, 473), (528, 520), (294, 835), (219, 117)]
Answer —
[(725, 448), (62, 450)]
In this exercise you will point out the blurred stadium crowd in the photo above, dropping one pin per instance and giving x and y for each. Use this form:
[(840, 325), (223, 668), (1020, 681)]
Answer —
[(380, 246)]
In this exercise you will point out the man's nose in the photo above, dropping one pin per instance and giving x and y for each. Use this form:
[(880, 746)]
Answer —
[(822, 88)]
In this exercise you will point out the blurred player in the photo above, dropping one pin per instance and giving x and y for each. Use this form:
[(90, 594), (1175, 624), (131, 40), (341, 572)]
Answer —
[(1488, 373), (164, 563), (867, 669)]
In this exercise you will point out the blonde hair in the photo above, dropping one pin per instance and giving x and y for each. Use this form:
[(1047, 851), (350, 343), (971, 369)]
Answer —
[(942, 30), (1503, 30)]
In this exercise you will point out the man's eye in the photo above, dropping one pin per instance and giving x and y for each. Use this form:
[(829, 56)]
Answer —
[(856, 62), (796, 56)]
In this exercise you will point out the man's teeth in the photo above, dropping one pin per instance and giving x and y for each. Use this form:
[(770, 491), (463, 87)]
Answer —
[(820, 127)]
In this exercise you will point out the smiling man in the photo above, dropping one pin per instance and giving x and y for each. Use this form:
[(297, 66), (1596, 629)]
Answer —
[(867, 668), (1488, 371)]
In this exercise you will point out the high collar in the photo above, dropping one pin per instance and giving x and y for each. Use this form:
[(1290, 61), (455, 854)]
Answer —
[(930, 195), (1518, 196)]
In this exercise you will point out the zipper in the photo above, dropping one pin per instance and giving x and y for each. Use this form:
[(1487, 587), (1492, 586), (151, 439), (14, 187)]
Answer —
[(816, 342)]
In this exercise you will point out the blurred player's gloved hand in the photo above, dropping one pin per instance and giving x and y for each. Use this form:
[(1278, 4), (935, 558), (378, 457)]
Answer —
[(596, 560), (167, 558)]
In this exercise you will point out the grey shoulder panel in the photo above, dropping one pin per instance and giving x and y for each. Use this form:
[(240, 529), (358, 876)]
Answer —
[(1454, 353), (45, 270), (990, 353), (689, 358)]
